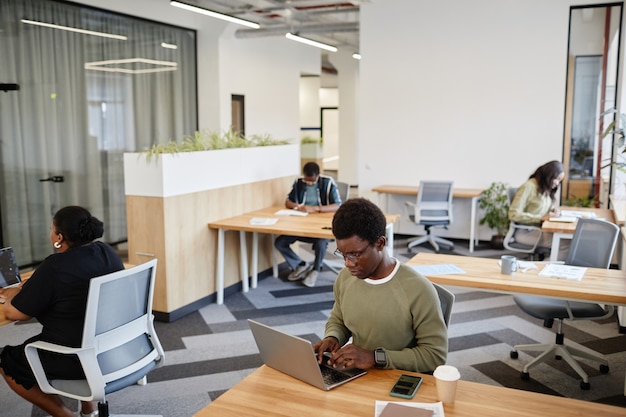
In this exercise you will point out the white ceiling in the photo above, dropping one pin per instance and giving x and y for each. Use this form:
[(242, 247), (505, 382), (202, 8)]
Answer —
[(333, 22)]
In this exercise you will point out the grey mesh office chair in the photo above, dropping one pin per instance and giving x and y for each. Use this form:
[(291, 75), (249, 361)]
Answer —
[(432, 209), (592, 246), (119, 346), (344, 190), (509, 240), (446, 298)]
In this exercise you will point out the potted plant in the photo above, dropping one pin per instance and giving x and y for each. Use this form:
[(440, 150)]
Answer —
[(495, 202)]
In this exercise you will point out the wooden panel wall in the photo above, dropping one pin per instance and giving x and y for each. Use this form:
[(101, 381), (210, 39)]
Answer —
[(175, 231)]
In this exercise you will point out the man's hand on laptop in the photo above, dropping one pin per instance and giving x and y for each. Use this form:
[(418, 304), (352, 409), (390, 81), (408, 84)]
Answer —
[(352, 356), (328, 344), (345, 357)]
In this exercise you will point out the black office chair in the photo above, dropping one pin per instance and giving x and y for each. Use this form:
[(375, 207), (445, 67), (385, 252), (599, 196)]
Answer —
[(433, 208), (509, 239), (592, 246)]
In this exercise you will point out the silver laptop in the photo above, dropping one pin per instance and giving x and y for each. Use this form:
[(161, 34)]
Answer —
[(9, 271), (295, 356)]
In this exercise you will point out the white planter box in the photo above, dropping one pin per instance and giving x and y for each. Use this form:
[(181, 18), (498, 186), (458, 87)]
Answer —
[(188, 172)]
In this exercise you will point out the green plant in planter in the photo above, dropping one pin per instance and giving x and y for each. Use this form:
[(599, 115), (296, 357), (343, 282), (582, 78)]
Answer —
[(308, 140), (495, 202), (206, 141)]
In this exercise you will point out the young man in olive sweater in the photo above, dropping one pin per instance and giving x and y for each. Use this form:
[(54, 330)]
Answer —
[(391, 312)]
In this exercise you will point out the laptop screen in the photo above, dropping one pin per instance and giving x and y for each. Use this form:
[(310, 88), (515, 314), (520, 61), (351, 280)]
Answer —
[(9, 271)]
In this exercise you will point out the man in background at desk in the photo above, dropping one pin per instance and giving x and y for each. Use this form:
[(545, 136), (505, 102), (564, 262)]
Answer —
[(311, 193), (391, 312)]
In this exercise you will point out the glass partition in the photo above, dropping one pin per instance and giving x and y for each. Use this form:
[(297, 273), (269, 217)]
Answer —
[(592, 79), (92, 85)]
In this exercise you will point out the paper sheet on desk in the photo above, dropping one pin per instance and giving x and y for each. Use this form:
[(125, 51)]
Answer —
[(574, 273), (578, 214), (263, 220), (439, 269), (435, 408), (287, 212)]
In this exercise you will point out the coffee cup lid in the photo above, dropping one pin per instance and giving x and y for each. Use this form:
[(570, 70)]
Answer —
[(447, 373)]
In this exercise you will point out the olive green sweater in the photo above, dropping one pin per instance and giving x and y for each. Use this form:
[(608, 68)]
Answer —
[(528, 206), (401, 314)]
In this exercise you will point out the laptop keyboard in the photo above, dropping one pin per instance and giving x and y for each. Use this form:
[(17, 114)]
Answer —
[(332, 376)]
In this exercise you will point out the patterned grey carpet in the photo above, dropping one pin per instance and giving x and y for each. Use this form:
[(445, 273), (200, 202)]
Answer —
[(209, 351)]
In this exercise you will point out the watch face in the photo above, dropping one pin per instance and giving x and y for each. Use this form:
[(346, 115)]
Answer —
[(380, 357)]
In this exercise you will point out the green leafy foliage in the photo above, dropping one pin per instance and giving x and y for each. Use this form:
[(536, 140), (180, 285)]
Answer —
[(616, 127), (495, 202), (207, 141)]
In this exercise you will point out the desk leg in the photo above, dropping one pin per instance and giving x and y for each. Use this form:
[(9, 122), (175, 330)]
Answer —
[(389, 230), (621, 318), (556, 243), (472, 236), (255, 259), (274, 258), (220, 266), (383, 202), (243, 260)]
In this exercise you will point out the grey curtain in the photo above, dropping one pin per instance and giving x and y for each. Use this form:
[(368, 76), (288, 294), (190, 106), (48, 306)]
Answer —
[(83, 101)]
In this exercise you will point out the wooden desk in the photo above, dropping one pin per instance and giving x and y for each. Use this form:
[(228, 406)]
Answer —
[(561, 230), (270, 392), (315, 225), (619, 209), (471, 193), (3, 320), (598, 285)]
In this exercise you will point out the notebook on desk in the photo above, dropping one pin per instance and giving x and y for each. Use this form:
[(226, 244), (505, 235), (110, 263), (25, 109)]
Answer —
[(9, 271), (295, 357)]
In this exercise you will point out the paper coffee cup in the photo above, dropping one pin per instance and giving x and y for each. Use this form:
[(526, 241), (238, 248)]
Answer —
[(446, 378)]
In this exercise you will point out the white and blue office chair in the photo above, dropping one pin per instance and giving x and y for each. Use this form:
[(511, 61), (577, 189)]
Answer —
[(119, 347), (509, 241), (592, 246), (433, 208)]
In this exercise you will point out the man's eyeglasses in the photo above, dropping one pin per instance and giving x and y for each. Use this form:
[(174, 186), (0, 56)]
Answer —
[(353, 257)]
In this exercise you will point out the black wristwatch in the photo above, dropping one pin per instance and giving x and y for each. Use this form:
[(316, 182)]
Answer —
[(380, 358)]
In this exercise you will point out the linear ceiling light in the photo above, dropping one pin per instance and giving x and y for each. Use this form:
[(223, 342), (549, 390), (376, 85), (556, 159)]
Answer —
[(70, 29), (168, 45), (310, 42), (356, 55), (217, 15), (126, 66)]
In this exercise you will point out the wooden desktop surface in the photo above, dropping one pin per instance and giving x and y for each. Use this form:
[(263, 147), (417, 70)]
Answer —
[(569, 228), (316, 225), (268, 392), (619, 209), (413, 189), (598, 285), (3, 319)]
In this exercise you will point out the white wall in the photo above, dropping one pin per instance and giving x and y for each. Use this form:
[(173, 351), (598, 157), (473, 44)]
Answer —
[(472, 91), (310, 105), (267, 72)]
